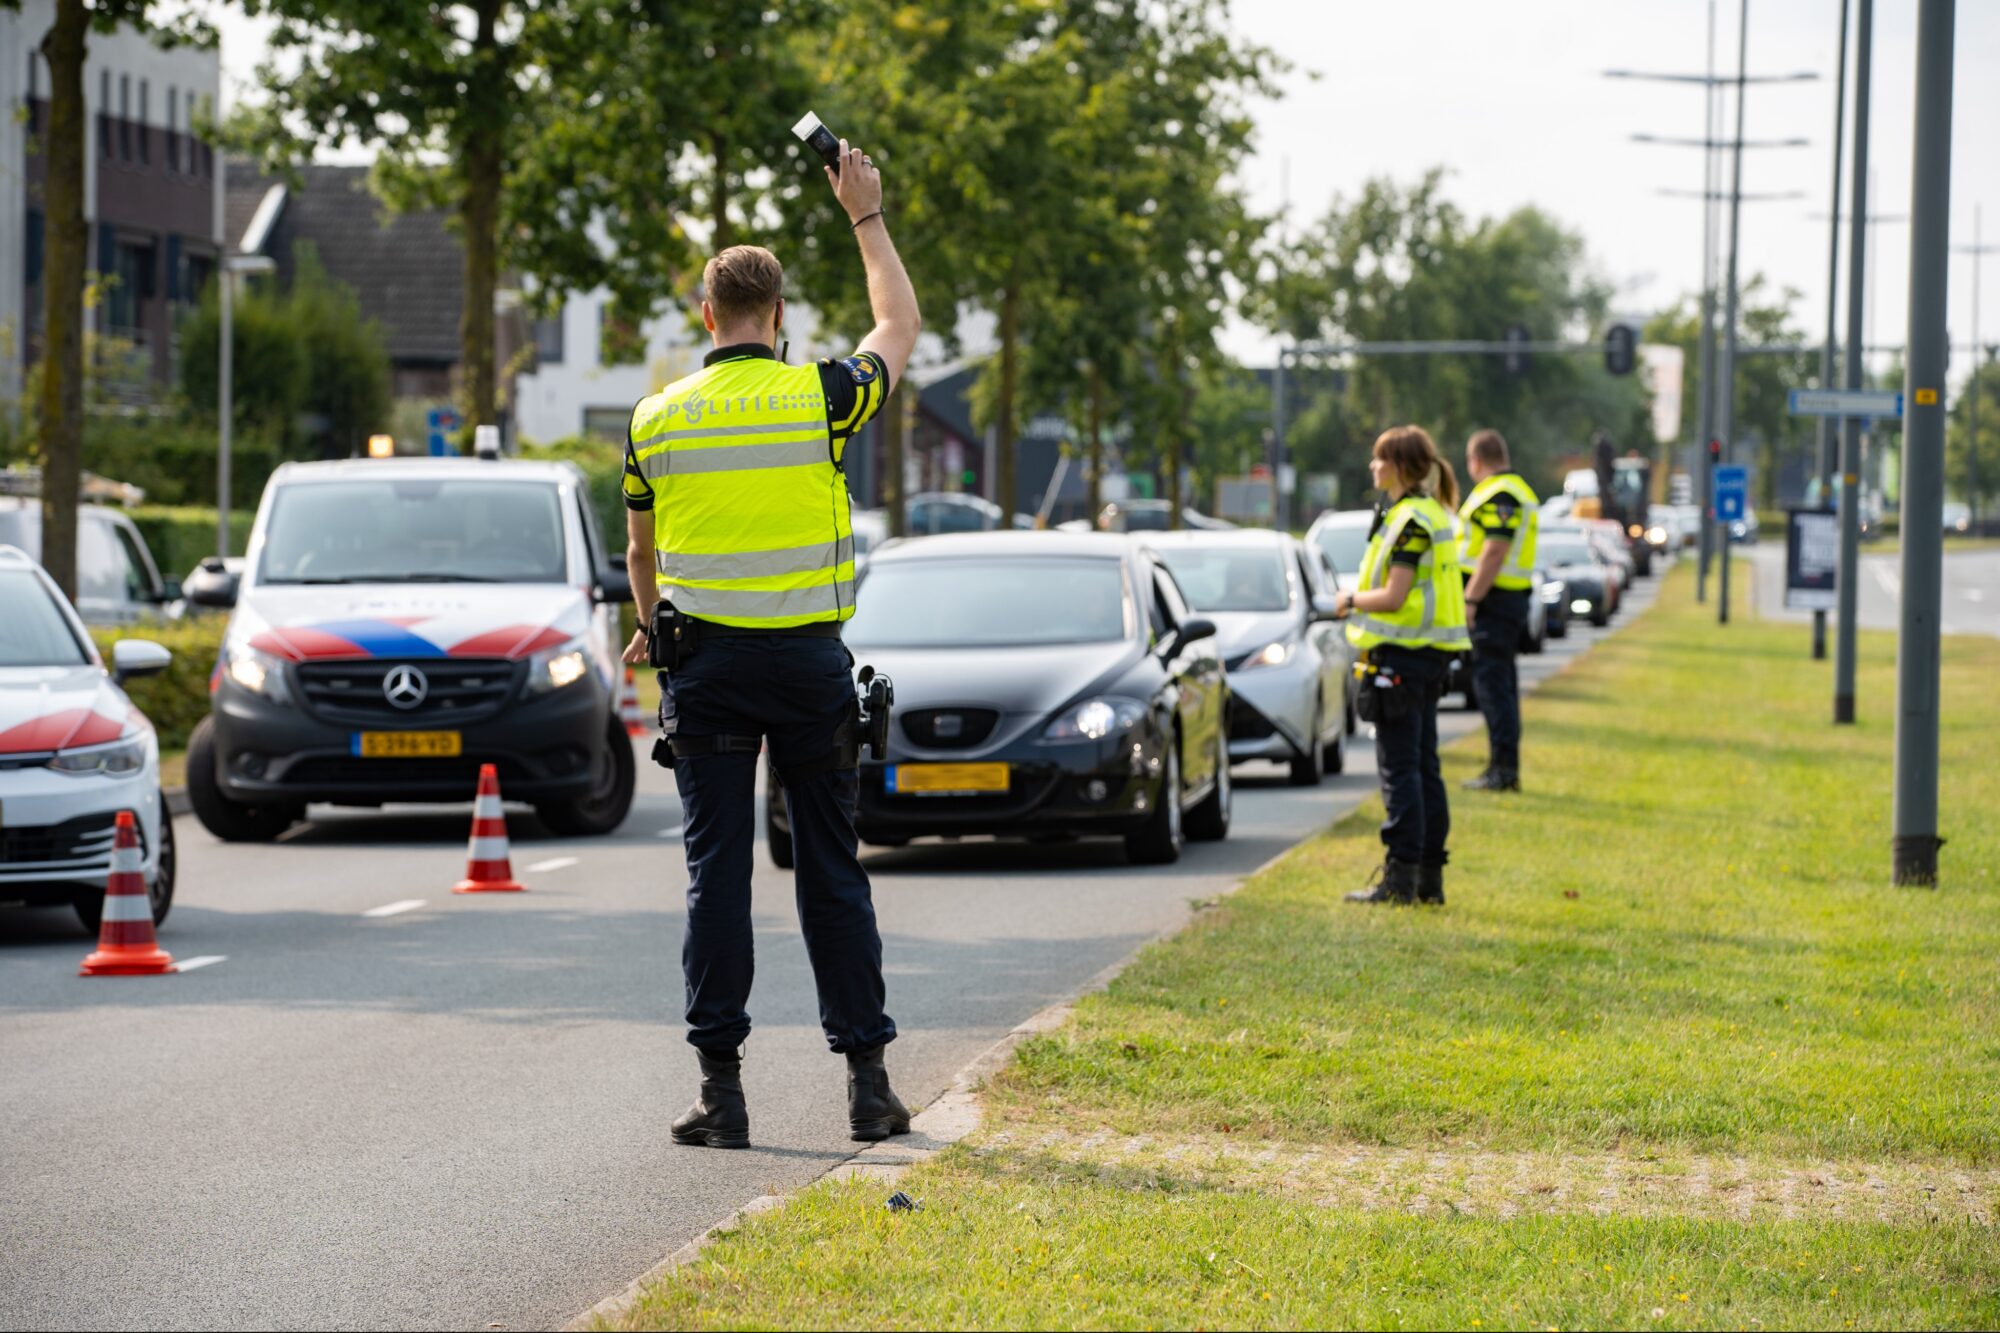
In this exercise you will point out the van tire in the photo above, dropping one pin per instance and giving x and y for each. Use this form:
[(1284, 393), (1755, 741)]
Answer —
[(231, 821), (603, 810)]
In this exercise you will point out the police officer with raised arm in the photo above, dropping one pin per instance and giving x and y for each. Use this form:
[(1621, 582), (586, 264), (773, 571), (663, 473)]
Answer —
[(742, 565), (1501, 519)]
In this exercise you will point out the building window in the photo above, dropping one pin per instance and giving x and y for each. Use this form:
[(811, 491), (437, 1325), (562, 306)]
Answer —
[(125, 116), (549, 340), (104, 114), (607, 423), (145, 122)]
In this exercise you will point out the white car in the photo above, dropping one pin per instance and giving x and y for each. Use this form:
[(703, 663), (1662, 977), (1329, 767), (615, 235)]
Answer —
[(73, 753)]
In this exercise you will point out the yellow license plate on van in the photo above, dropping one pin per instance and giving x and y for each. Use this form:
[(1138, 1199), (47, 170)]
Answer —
[(408, 744), (945, 779)]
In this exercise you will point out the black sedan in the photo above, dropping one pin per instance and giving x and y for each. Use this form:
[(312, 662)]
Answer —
[(1587, 581), (1048, 685)]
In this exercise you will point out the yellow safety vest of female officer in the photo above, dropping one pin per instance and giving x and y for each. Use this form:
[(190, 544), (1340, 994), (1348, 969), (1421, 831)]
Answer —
[(1408, 618), (1502, 520), (742, 564)]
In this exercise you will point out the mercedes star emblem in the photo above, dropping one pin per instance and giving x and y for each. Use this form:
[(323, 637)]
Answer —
[(405, 686)]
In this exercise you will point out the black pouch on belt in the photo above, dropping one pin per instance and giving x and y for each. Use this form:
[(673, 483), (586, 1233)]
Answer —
[(1384, 696), (671, 639)]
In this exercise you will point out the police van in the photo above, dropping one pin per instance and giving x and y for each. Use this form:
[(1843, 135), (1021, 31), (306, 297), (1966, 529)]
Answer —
[(399, 622)]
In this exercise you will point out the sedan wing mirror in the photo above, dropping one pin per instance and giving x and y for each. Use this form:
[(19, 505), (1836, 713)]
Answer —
[(137, 657), (1187, 632), (1325, 607)]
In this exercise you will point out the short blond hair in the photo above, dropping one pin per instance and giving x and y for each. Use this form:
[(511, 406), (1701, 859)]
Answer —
[(742, 283)]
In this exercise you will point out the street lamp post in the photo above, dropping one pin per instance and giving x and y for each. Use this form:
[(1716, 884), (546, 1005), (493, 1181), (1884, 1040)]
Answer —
[(1825, 440), (231, 266)]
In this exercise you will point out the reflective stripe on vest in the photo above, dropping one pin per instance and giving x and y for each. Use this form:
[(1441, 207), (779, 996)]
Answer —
[(751, 523), (1518, 566), (1433, 615)]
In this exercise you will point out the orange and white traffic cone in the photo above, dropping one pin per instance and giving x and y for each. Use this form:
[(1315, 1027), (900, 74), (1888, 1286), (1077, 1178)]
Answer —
[(487, 866), (126, 945), (628, 706)]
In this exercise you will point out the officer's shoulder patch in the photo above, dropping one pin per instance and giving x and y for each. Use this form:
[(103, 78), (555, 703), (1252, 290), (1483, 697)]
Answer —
[(860, 369)]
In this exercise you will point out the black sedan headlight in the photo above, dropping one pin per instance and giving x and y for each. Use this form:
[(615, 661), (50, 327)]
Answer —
[(1094, 719)]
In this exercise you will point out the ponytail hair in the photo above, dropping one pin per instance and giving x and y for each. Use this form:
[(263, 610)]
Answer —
[(1445, 484)]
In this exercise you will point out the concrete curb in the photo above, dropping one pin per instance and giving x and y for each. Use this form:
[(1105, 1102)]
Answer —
[(177, 801), (951, 1116)]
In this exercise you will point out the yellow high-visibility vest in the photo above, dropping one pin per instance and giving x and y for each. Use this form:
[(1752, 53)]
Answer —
[(1518, 568), (1433, 615), (751, 523)]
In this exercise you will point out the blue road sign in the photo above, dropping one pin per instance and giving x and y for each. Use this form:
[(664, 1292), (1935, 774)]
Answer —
[(441, 423), (1732, 485)]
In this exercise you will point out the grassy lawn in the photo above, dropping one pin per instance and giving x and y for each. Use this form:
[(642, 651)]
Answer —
[(1675, 1053)]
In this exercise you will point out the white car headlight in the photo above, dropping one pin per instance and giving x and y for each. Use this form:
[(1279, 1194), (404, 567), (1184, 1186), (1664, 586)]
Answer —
[(256, 671), (1270, 655), (1094, 719), (557, 668), (121, 758)]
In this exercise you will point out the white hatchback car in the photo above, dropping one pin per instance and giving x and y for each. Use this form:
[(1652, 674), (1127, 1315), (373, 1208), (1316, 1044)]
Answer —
[(73, 753)]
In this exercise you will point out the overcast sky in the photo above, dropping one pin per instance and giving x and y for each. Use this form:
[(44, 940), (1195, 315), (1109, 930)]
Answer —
[(1510, 98)]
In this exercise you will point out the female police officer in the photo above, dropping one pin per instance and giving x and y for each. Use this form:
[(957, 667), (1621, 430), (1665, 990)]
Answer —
[(1407, 618)]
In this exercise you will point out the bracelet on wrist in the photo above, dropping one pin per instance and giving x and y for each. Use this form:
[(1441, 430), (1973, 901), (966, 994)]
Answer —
[(858, 221)]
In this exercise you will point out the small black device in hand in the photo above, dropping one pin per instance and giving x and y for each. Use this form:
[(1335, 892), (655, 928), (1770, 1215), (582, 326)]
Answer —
[(820, 139)]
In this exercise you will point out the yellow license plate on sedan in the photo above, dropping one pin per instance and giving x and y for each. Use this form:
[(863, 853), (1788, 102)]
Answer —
[(408, 744), (945, 779)]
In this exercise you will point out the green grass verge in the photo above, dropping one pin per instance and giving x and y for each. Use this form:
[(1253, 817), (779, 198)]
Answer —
[(1675, 959)]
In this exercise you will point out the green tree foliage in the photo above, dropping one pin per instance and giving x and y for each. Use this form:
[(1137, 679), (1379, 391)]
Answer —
[(1404, 263), (1766, 432), (1974, 475), (310, 370)]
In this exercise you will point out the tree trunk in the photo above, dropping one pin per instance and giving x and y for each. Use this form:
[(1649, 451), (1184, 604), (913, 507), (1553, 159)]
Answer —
[(1003, 447), (59, 409), (725, 233), (893, 422), (1093, 450), (479, 212)]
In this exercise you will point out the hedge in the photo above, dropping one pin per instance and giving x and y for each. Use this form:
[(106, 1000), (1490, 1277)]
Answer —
[(173, 460), (180, 535), (603, 466), (177, 698)]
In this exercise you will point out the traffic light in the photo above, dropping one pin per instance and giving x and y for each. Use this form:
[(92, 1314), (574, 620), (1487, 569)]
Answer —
[(1621, 341), (1515, 359)]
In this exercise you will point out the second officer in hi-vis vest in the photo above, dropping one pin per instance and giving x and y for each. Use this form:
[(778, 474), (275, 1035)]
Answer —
[(1407, 617), (742, 564), (1501, 522)]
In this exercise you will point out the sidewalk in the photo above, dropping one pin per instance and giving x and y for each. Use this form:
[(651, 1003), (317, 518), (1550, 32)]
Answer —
[(1675, 1054)]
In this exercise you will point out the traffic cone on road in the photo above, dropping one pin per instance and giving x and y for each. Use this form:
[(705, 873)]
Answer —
[(487, 867), (628, 706), (126, 945)]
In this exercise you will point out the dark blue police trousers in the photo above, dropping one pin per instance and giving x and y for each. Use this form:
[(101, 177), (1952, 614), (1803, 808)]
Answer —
[(1406, 759), (794, 692), (1496, 639)]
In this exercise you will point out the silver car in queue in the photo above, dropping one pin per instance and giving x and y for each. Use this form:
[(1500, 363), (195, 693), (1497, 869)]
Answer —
[(1291, 669)]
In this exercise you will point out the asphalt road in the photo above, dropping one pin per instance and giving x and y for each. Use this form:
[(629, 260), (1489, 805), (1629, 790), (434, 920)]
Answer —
[(453, 1114), (1970, 603)]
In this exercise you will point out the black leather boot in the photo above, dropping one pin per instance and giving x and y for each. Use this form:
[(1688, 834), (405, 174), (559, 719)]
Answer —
[(1494, 779), (1393, 882), (1430, 884), (719, 1117), (874, 1112)]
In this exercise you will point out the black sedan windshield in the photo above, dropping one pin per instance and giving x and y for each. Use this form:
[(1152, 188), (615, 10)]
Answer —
[(1564, 553), (411, 529), (33, 631), (975, 603), (1216, 578)]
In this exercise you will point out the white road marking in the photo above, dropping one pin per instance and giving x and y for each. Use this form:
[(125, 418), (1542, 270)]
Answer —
[(553, 863), (1891, 581), (395, 908), (190, 964), (673, 832)]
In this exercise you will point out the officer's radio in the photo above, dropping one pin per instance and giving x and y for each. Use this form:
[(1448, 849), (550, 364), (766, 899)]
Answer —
[(820, 139), (876, 695)]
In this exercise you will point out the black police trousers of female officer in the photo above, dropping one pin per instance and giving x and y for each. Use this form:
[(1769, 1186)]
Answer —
[(794, 692), (1406, 759)]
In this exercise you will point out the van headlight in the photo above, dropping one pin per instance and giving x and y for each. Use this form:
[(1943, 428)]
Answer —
[(558, 668), (1094, 719), (256, 671), (121, 758)]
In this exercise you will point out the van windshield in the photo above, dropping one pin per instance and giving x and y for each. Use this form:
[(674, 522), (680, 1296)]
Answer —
[(414, 530)]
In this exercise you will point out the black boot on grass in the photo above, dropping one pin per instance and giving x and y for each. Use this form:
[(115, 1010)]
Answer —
[(874, 1112), (1393, 882), (719, 1117), (1430, 884), (1494, 779)]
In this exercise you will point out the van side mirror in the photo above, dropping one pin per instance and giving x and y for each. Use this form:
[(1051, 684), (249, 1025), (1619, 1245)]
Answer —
[(131, 658), (212, 584), (613, 583)]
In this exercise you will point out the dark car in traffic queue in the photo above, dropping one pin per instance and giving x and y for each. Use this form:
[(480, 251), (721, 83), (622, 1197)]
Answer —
[(1589, 585), (1047, 686), (1553, 595)]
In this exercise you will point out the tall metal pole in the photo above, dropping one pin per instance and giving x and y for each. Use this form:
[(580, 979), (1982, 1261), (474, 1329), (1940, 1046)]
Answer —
[(1278, 439), (1704, 463), (1728, 378), (1850, 427), (1916, 847), (224, 410), (1826, 436)]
